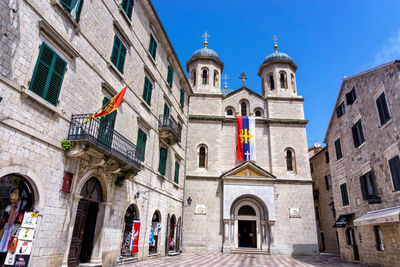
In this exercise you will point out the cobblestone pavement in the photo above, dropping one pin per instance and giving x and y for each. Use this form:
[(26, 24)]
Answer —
[(235, 260)]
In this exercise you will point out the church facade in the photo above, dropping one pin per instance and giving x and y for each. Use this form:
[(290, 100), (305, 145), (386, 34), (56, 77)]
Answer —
[(264, 205)]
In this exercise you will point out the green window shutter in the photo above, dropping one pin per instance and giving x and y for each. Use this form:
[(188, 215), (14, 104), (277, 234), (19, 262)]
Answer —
[(121, 60), (127, 6), (170, 76), (78, 10), (182, 98), (162, 166), (180, 130), (166, 110), (69, 4), (176, 172), (118, 54), (147, 90), (105, 132), (48, 75), (153, 47), (141, 143)]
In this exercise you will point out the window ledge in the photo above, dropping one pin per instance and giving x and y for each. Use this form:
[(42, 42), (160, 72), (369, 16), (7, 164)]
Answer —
[(386, 124), (144, 103), (25, 93), (176, 185), (168, 86), (151, 58), (67, 14), (339, 160), (115, 70), (360, 146), (127, 19)]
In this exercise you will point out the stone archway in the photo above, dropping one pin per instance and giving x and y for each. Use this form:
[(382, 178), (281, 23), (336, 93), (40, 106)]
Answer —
[(247, 227)]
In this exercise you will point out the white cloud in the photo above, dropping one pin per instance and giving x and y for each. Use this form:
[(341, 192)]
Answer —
[(389, 51)]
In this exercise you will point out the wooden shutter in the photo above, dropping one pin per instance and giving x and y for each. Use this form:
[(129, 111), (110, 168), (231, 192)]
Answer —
[(121, 59), (115, 51), (48, 74), (153, 47), (177, 172), (166, 110), (69, 4), (182, 98), (343, 190), (170, 76), (363, 187), (338, 149), (148, 87), (394, 165), (141, 143), (129, 9), (78, 10), (356, 140), (383, 110), (163, 160)]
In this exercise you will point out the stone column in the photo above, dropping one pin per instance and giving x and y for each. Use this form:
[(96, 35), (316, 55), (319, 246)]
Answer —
[(225, 247), (76, 199), (231, 231), (103, 216), (271, 235), (264, 241)]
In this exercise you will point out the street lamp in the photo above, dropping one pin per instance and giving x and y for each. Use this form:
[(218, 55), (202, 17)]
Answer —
[(189, 201)]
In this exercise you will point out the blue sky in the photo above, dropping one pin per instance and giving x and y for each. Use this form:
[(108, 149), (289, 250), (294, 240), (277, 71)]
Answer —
[(326, 39)]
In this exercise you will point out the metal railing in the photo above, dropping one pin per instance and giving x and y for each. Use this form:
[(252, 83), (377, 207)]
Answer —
[(98, 132), (167, 121)]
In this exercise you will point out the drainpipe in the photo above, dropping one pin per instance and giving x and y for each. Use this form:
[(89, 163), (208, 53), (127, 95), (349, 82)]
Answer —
[(184, 180)]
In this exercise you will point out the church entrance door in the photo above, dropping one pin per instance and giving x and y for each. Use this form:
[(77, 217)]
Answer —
[(247, 234)]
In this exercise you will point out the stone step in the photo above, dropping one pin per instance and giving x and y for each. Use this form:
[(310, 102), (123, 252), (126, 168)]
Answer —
[(173, 253), (248, 251)]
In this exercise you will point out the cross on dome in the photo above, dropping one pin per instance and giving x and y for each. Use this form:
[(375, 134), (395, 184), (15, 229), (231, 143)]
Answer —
[(205, 36), (225, 77), (275, 39)]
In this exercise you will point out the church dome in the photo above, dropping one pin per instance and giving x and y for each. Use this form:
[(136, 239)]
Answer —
[(277, 56), (205, 52)]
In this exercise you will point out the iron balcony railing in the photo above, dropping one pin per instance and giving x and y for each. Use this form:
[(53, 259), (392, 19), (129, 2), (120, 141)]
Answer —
[(105, 138), (168, 122)]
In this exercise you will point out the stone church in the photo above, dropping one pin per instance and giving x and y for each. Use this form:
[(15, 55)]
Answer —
[(259, 206)]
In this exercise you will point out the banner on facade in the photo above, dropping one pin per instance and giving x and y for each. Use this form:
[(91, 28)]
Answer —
[(245, 138), (135, 236)]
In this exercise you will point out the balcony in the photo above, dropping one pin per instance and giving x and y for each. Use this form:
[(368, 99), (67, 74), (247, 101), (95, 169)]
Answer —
[(97, 140), (169, 130)]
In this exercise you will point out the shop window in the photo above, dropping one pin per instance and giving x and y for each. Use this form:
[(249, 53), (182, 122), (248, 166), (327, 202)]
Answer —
[(131, 230), (16, 200), (379, 238), (155, 229)]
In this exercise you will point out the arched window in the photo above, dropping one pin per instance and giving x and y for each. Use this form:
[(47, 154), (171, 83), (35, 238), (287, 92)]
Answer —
[(258, 113), (246, 210), (216, 78), (204, 76), (271, 82), (131, 215), (282, 79), (193, 77), (202, 156), (243, 107), (290, 160), (154, 232), (293, 83), (229, 112)]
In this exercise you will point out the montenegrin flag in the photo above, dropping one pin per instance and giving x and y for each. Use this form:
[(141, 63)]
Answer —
[(245, 141), (114, 104)]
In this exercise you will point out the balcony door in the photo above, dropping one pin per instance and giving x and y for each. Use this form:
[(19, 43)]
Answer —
[(106, 126)]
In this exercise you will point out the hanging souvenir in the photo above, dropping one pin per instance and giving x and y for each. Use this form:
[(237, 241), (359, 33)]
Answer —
[(26, 234), (21, 260), (24, 247), (12, 245), (10, 258), (30, 220)]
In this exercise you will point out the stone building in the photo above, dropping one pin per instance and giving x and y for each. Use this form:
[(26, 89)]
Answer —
[(60, 61), (263, 205), (364, 149), (323, 199)]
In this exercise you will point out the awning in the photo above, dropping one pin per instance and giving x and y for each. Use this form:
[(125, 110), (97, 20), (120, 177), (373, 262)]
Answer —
[(343, 220), (379, 216)]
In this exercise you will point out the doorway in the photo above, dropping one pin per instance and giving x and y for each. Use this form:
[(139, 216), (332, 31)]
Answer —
[(247, 234), (83, 236)]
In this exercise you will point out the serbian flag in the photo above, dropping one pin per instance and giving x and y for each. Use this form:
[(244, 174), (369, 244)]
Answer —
[(245, 138), (114, 104)]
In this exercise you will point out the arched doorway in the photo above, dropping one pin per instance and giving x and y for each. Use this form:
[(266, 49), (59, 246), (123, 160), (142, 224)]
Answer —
[(131, 233), (249, 221), (171, 236), (154, 232), (16, 197), (83, 236)]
